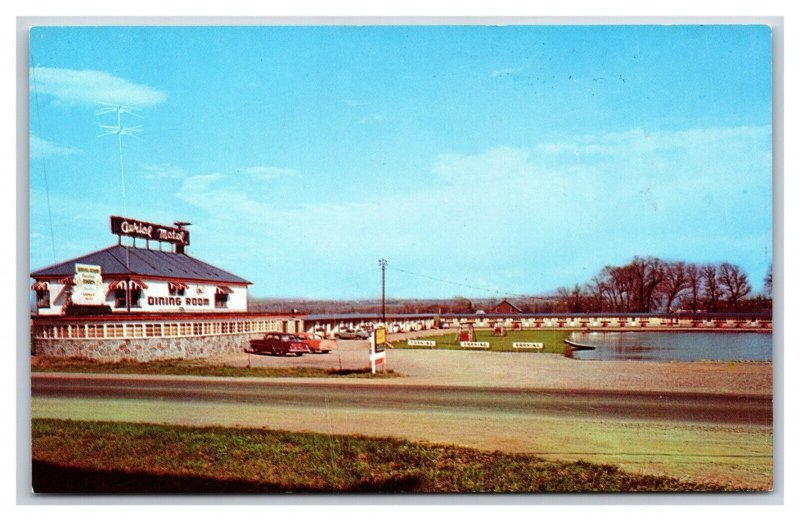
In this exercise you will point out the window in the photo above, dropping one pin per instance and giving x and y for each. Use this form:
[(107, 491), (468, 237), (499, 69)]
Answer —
[(94, 331), (136, 330), (136, 296), (43, 298), (119, 299), (77, 331), (115, 331), (152, 330), (221, 300), (186, 329)]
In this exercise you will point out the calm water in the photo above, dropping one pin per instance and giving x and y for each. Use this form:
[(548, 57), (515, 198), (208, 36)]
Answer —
[(674, 346)]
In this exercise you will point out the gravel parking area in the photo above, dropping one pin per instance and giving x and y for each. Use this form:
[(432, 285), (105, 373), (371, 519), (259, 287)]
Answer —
[(532, 370)]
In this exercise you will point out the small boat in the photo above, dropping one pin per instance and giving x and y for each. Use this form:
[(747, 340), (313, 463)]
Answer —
[(578, 347)]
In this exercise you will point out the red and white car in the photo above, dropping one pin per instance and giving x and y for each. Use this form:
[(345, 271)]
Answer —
[(317, 342), (280, 344)]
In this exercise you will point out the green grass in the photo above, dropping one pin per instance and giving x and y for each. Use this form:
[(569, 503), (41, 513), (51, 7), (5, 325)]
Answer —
[(190, 367), (553, 341), (97, 457)]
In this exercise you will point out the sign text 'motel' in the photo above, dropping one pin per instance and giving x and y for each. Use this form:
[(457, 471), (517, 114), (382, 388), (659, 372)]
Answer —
[(148, 231)]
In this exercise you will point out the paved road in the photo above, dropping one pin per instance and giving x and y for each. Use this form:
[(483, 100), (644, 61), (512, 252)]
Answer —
[(705, 408), (698, 436)]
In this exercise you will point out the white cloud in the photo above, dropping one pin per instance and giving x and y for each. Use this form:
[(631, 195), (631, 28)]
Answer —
[(40, 148), (526, 218), (166, 171), (492, 165), (638, 141), (267, 172), (90, 87)]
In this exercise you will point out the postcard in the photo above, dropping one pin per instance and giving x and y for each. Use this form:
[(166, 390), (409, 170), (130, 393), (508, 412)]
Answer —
[(374, 258)]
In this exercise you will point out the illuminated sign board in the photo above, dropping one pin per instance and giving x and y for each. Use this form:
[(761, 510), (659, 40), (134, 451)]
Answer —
[(148, 231)]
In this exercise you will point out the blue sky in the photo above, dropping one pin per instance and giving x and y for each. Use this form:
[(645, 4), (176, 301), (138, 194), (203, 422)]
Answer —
[(480, 161)]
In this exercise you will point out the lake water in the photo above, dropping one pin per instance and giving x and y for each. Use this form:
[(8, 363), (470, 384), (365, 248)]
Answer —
[(674, 346)]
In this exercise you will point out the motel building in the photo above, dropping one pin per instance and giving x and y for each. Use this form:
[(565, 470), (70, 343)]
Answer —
[(144, 298)]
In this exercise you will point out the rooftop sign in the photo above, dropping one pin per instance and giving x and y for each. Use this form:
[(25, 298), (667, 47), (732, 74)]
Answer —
[(148, 231)]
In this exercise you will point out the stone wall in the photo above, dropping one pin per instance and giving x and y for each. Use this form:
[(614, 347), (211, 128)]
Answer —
[(144, 349)]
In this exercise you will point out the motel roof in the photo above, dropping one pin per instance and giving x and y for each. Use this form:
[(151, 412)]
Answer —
[(121, 261)]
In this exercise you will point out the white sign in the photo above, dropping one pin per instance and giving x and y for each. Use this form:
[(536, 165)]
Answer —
[(88, 290), (482, 345), (377, 350), (426, 343), (528, 345)]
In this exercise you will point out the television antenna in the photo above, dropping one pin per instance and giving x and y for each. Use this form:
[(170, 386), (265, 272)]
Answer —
[(119, 131)]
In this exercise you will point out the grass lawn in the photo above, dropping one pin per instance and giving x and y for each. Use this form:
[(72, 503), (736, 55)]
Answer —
[(109, 457), (553, 340), (189, 367)]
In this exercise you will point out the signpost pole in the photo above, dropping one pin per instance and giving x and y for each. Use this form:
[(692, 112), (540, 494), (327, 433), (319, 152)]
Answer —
[(382, 263)]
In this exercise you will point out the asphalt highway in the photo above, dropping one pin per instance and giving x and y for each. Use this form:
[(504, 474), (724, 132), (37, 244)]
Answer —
[(602, 405)]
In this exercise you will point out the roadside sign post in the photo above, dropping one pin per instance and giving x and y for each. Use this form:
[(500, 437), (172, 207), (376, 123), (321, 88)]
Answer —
[(377, 350)]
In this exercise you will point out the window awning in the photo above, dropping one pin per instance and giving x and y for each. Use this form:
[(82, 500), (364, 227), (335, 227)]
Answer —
[(40, 285), (67, 281), (223, 290), (138, 284), (122, 285), (177, 286), (117, 284)]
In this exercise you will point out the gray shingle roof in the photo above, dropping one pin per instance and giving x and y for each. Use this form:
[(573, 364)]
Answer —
[(122, 260)]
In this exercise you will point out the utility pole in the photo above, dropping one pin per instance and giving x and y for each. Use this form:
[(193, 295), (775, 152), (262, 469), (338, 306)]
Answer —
[(382, 263)]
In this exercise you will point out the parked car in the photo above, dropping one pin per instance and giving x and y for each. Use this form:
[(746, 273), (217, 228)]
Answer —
[(317, 342), (349, 334), (280, 344)]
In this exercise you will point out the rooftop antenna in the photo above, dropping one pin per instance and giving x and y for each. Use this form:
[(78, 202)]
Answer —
[(119, 131)]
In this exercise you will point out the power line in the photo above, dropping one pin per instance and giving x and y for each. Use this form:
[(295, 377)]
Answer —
[(44, 163)]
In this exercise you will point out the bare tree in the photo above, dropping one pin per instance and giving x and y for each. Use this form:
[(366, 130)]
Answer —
[(694, 277), (711, 286), (577, 299), (734, 283), (676, 281), (598, 289), (647, 274), (563, 298), (768, 281)]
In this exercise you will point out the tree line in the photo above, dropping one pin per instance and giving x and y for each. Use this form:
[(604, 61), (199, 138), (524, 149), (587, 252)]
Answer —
[(650, 284)]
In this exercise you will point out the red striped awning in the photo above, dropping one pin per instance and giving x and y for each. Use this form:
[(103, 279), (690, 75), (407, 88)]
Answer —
[(40, 285), (117, 284), (138, 284), (177, 286), (223, 290), (67, 281), (122, 285)]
